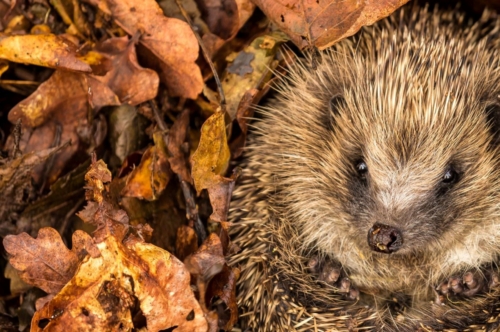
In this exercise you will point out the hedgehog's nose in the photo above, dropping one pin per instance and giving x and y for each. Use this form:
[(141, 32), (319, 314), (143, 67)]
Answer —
[(384, 238)]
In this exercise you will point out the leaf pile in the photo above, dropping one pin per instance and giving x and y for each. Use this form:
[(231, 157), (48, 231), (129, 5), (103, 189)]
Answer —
[(138, 239)]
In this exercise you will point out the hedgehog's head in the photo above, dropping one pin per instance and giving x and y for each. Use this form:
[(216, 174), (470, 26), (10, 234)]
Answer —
[(390, 153)]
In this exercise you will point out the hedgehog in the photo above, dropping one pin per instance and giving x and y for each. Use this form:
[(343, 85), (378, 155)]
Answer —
[(370, 194)]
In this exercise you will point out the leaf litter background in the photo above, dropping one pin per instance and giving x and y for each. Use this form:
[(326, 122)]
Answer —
[(119, 155)]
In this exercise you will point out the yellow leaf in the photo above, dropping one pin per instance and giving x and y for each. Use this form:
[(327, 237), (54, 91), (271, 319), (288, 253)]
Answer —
[(211, 158), (41, 50), (150, 178)]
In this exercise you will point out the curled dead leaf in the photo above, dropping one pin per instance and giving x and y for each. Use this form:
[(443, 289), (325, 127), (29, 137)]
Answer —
[(176, 138), (57, 112), (322, 23), (250, 69), (132, 83), (214, 278), (150, 178), (211, 159), (42, 50), (170, 40), (223, 286)]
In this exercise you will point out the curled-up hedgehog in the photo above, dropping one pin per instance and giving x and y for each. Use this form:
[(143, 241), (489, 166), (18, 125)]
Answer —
[(370, 198)]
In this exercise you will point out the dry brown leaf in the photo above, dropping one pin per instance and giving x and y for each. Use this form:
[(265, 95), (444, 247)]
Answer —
[(220, 16), (322, 23), (224, 19), (250, 69), (150, 178), (169, 39), (118, 274), (132, 83), (102, 293), (44, 262), (65, 92), (97, 176), (41, 50), (243, 114), (223, 286), (211, 159), (15, 184), (214, 278), (176, 138), (207, 261), (220, 197), (186, 242), (57, 111)]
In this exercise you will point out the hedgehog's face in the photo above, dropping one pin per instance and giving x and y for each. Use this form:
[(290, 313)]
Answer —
[(417, 178), (403, 203)]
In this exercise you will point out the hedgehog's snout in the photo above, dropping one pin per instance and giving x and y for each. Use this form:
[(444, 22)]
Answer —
[(384, 238)]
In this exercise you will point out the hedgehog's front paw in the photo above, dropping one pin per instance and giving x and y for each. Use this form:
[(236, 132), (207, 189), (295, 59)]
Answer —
[(470, 284), (330, 273)]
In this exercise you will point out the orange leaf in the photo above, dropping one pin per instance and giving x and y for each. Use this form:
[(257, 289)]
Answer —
[(211, 159), (132, 83), (34, 259), (150, 178), (169, 39), (322, 23), (41, 50), (103, 291), (58, 109)]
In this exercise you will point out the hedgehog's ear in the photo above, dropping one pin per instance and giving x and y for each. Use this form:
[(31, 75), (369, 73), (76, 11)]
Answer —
[(493, 114), (335, 104)]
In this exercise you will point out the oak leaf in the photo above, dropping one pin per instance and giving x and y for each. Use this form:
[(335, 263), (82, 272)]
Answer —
[(323, 23), (35, 258), (58, 110), (103, 292), (118, 277), (214, 278), (169, 39), (57, 113)]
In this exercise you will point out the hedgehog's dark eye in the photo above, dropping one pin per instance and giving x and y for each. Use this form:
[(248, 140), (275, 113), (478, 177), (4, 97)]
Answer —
[(362, 169), (450, 176)]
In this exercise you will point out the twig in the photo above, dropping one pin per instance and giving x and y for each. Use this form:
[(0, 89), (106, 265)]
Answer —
[(17, 82), (71, 212), (187, 190), (17, 138)]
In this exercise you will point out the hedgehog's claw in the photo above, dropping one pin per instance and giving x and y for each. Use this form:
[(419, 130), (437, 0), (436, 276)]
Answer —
[(494, 280), (455, 285), (471, 284), (313, 264), (474, 284), (330, 273)]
